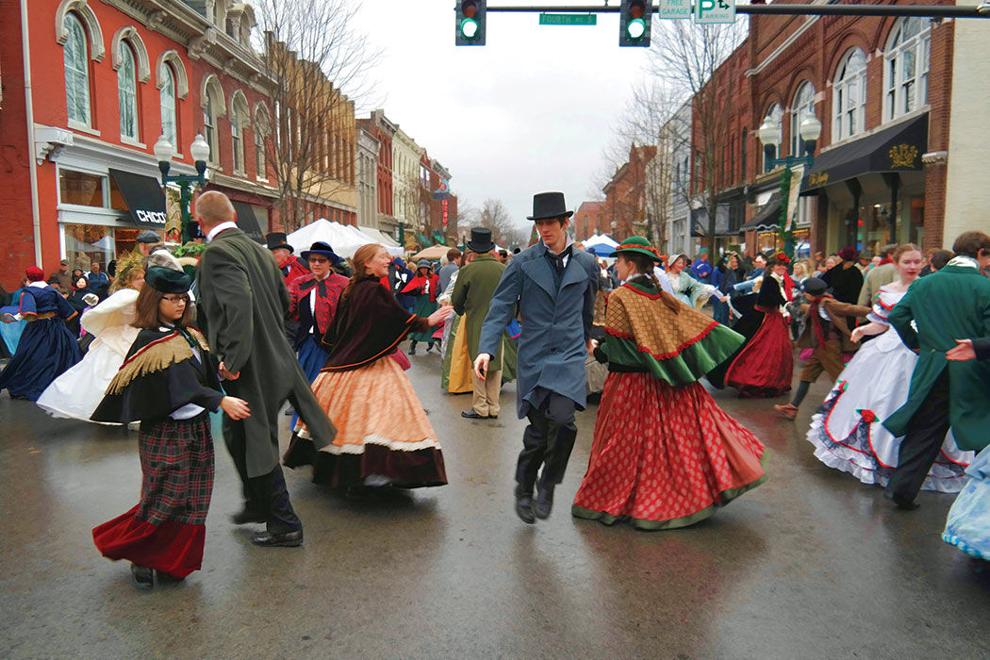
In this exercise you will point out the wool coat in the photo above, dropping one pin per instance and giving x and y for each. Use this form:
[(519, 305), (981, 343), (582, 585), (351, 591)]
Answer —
[(953, 303), (244, 302), (556, 323), (473, 291)]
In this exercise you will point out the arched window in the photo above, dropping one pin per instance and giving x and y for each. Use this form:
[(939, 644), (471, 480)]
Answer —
[(849, 96), (76, 54), (774, 115), (804, 105), (239, 118), (214, 107), (262, 127), (906, 67), (168, 96), (127, 93)]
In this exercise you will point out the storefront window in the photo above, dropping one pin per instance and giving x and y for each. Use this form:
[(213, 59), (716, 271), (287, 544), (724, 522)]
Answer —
[(81, 188), (85, 244)]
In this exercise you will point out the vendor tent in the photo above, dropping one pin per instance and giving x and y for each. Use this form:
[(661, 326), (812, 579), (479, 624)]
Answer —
[(432, 253), (344, 239), (599, 239)]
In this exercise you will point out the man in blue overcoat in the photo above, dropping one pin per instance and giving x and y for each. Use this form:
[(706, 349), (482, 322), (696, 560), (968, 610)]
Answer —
[(553, 285)]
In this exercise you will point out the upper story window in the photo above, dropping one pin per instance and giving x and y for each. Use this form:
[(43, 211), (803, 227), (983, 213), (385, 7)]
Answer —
[(213, 108), (261, 130), (774, 115), (127, 93), (76, 54), (168, 106), (906, 61), (849, 96), (803, 106), (239, 118)]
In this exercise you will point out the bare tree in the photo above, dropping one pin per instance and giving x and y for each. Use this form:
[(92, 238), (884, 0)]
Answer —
[(493, 215), (685, 57), (316, 64)]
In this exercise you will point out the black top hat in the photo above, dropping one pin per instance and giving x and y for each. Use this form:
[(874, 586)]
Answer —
[(277, 241), (167, 280), (549, 205), (481, 240), (814, 286), (321, 248)]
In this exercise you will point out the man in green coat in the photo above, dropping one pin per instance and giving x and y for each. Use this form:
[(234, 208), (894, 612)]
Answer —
[(243, 302), (476, 284), (952, 304)]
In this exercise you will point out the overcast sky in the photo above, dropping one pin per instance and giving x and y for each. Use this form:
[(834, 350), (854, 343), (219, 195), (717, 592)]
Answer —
[(528, 112)]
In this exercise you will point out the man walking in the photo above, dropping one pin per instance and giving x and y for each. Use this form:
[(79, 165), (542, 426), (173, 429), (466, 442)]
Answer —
[(554, 287), (244, 301), (472, 296), (952, 304)]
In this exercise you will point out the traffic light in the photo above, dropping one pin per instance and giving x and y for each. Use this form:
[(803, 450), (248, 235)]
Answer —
[(470, 23), (634, 23)]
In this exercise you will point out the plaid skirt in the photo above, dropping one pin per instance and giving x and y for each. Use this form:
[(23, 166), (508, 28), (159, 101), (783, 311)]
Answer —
[(166, 531)]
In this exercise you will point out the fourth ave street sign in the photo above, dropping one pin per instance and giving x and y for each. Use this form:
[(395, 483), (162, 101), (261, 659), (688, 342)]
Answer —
[(568, 19), (715, 11)]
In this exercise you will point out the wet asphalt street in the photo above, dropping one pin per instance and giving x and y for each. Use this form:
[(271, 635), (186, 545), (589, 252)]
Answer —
[(812, 564)]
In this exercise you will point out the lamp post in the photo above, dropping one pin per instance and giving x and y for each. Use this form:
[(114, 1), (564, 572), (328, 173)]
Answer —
[(200, 151), (769, 134)]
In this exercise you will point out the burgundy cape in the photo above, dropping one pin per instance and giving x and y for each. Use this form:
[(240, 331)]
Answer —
[(369, 325)]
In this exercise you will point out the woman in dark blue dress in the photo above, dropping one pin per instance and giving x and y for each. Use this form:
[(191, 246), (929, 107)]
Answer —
[(46, 348)]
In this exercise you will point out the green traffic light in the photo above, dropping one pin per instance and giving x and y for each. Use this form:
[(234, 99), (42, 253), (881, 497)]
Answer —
[(636, 28), (469, 28)]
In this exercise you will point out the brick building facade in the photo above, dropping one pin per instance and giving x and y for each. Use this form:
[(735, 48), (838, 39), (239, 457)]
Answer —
[(625, 195), (589, 220)]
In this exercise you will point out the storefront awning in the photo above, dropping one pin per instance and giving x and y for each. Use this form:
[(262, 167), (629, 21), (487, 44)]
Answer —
[(895, 149), (144, 197), (767, 217), (248, 222)]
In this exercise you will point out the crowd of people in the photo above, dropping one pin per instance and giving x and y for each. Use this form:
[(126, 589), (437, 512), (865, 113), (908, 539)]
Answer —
[(251, 332)]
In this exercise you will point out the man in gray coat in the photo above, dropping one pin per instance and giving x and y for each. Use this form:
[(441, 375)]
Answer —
[(243, 304), (554, 287)]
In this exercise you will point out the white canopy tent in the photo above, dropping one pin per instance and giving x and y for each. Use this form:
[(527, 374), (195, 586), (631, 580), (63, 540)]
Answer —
[(600, 239), (344, 239), (379, 236)]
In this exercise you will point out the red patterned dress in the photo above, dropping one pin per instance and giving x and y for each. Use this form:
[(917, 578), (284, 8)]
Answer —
[(664, 454), (765, 365)]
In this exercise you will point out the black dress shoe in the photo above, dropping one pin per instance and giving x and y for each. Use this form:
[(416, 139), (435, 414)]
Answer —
[(144, 578), (161, 577), (246, 516), (284, 540), (473, 414), (544, 502), (524, 506), (905, 505)]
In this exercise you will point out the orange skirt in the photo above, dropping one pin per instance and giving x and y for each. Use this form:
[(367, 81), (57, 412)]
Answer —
[(383, 434)]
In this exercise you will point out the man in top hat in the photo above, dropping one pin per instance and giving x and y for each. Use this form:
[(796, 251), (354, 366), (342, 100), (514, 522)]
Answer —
[(243, 301), (553, 285), (313, 302), (290, 265), (473, 291)]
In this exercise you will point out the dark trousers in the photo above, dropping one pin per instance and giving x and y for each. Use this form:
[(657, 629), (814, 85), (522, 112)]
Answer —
[(547, 441), (921, 443), (265, 495)]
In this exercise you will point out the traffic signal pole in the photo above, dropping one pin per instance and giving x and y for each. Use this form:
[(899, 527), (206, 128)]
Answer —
[(931, 11)]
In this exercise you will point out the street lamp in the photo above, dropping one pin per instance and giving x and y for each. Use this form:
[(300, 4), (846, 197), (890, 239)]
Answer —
[(200, 151), (810, 129)]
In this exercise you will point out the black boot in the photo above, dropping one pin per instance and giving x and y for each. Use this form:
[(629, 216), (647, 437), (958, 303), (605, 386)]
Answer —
[(144, 578), (412, 348), (544, 501), (524, 504)]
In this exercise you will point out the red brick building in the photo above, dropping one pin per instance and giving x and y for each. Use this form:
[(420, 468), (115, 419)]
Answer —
[(881, 88), (625, 195), (589, 220), (382, 129), (82, 179)]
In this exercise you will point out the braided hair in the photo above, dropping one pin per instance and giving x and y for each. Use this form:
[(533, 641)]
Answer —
[(644, 266)]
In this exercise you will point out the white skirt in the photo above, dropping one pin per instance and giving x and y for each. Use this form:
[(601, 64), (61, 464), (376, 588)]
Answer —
[(77, 392), (848, 432)]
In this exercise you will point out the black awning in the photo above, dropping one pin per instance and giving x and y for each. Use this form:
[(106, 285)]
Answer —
[(895, 149), (144, 197), (247, 221), (767, 217)]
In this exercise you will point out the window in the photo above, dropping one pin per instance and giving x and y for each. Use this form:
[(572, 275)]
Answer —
[(237, 141), (168, 105), (76, 54), (261, 167), (127, 93), (774, 115), (849, 96), (81, 189), (906, 67), (803, 106), (210, 128)]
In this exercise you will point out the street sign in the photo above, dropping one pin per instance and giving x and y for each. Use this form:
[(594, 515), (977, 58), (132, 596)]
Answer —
[(675, 9), (715, 11), (568, 19)]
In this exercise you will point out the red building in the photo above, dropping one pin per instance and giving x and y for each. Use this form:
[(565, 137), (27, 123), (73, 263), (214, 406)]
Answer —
[(589, 220), (105, 84), (382, 129), (625, 195)]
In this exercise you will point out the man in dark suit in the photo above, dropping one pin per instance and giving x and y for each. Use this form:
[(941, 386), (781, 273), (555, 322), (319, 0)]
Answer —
[(243, 302)]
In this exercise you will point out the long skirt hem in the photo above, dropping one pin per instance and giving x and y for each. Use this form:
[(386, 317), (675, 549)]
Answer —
[(171, 547), (374, 465)]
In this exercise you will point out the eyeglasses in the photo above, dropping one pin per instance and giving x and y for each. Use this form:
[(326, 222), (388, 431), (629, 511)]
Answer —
[(175, 300)]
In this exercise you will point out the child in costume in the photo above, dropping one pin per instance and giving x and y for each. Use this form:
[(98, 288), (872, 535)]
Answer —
[(168, 382)]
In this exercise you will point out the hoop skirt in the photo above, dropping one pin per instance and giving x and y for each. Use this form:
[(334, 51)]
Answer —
[(968, 524), (848, 433), (765, 365)]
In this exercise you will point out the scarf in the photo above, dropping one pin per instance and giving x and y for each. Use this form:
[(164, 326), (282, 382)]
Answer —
[(816, 321), (964, 262)]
